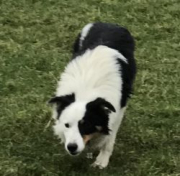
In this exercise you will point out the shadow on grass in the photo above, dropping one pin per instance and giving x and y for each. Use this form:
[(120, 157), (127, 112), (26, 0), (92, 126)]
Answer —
[(32, 150)]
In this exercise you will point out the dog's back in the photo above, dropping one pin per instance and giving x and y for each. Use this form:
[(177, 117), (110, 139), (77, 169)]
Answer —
[(114, 37)]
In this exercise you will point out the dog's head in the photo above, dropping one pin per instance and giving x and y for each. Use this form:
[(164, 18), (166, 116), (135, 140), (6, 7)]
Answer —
[(77, 122)]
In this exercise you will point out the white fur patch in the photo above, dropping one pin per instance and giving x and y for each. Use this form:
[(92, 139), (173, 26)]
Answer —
[(85, 32), (94, 74), (71, 115)]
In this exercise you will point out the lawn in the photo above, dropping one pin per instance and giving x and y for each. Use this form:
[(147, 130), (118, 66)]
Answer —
[(36, 37)]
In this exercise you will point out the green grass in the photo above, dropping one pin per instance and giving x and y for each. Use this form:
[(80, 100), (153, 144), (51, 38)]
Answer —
[(35, 44)]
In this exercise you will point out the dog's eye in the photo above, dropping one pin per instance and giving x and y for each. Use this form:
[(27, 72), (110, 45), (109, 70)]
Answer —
[(67, 125)]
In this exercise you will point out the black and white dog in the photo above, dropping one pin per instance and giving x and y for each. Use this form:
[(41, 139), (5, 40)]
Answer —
[(92, 93)]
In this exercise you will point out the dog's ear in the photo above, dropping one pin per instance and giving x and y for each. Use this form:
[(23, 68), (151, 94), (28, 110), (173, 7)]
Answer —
[(101, 104), (62, 101), (97, 112), (107, 106)]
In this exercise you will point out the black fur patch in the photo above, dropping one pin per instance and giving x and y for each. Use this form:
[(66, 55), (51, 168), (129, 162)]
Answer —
[(127, 73), (97, 114), (111, 35), (62, 102)]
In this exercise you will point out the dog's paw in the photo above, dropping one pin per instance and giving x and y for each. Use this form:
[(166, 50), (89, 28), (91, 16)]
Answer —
[(99, 165), (101, 162)]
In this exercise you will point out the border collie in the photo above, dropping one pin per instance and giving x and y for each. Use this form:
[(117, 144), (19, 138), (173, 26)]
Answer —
[(93, 90)]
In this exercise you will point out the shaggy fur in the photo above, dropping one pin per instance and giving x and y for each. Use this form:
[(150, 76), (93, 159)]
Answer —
[(94, 88)]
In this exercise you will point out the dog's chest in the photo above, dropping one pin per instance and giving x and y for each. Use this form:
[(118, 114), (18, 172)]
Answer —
[(97, 142)]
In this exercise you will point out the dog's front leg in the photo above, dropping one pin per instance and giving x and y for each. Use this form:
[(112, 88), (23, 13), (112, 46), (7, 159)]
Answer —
[(102, 159)]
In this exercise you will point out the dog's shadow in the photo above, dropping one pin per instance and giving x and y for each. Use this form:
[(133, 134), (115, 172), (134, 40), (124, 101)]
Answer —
[(63, 163), (43, 153)]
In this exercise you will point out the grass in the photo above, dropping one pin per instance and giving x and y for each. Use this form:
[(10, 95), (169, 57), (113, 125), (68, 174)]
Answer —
[(35, 44)]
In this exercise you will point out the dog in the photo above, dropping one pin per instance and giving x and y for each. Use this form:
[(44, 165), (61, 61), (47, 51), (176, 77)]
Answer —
[(93, 90)]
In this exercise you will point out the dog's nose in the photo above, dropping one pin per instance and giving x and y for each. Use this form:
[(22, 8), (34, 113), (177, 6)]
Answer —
[(72, 148)]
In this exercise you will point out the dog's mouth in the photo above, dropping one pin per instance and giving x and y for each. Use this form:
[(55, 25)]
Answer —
[(88, 138), (74, 153)]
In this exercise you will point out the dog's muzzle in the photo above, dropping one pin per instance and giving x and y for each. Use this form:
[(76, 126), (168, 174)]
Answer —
[(72, 148)]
